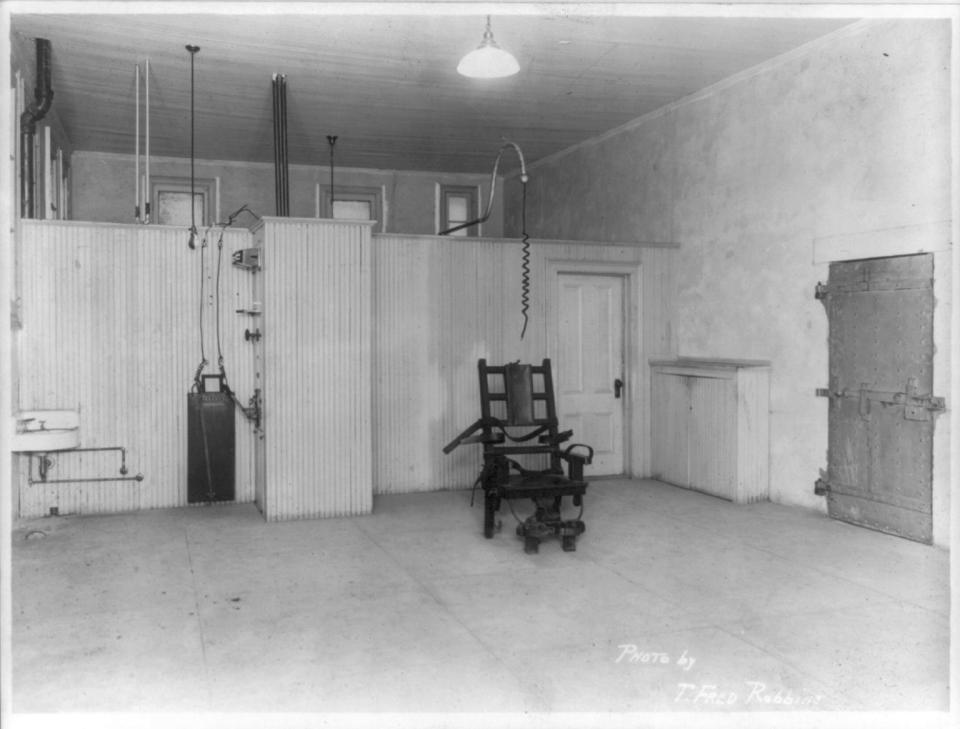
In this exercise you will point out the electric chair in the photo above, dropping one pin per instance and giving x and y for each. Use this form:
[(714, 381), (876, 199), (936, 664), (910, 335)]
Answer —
[(519, 418)]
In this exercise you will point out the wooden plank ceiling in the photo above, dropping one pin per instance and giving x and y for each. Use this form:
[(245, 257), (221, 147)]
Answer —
[(386, 85)]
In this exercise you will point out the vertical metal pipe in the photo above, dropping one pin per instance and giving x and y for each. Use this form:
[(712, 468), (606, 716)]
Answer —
[(331, 140), (43, 98), (136, 153), (283, 146), (276, 143), (191, 242), (281, 175), (282, 121), (146, 186)]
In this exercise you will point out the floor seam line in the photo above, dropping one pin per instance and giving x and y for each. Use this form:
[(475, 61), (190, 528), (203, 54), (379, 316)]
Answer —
[(196, 604)]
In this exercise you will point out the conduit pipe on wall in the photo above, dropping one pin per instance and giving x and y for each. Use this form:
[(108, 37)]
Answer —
[(136, 148), (43, 98), (493, 187), (281, 170), (146, 142)]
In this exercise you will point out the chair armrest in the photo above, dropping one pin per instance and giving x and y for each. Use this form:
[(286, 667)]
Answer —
[(449, 447), (577, 460)]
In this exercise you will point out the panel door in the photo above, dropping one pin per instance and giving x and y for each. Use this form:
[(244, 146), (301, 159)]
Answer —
[(881, 419), (591, 361)]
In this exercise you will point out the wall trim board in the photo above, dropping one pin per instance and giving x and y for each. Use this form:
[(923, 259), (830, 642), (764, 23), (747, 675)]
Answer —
[(273, 220), (463, 240), (898, 241)]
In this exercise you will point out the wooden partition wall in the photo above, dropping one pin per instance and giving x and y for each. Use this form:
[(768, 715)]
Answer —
[(369, 351)]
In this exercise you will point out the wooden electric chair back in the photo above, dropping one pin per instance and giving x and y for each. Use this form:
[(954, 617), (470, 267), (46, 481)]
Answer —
[(519, 397)]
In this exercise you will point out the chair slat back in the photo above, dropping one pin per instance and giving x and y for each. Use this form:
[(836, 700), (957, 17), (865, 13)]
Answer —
[(520, 387)]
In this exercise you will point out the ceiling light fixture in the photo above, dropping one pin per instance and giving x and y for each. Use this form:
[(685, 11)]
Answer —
[(488, 60)]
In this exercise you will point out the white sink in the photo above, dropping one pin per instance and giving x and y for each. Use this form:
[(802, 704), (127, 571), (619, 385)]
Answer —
[(42, 431)]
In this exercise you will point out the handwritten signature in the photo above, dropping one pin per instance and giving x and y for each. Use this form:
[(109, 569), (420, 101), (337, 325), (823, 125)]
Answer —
[(757, 692), (631, 653)]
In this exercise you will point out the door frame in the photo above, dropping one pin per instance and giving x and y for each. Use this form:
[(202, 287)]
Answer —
[(636, 450)]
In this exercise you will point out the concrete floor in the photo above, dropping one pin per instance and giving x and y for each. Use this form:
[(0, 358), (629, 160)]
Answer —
[(673, 602)]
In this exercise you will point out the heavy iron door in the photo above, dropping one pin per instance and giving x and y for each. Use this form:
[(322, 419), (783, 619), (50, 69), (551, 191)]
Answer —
[(881, 415)]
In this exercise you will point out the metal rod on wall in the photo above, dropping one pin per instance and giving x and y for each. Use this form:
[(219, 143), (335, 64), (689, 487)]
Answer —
[(193, 222), (280, 144), (146, 186), (286, 157), (276, 147), (283, 146), (136, 146), (331, 140)]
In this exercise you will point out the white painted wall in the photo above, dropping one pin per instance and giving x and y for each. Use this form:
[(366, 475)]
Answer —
[(841, 141)]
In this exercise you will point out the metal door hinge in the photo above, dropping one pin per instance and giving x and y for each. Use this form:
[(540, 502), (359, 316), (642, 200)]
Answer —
[(821, 487)]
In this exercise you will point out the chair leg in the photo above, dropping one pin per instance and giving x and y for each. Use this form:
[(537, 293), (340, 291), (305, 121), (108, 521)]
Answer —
[(490, 506)]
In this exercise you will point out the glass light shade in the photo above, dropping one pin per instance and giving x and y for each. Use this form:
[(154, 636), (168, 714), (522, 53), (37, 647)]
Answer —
[(488, 61)]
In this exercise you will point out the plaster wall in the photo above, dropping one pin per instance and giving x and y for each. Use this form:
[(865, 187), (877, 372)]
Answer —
[(845, 138), (103, 189)]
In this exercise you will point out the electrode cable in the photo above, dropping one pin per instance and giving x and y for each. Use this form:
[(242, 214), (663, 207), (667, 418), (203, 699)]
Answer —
[(525, 265), (197, 385), (193, 223), (525, 254), (231, 219)]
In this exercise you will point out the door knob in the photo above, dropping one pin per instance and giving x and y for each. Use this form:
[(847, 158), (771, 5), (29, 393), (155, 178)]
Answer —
[(617, 387)]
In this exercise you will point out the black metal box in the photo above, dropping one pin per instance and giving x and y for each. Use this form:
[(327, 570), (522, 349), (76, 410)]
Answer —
[(211, 447)]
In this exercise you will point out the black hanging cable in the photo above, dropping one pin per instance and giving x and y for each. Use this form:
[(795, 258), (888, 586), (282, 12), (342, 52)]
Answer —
[(197, 384), (331, 140), (223, 373), (193, 222), (525, 278)]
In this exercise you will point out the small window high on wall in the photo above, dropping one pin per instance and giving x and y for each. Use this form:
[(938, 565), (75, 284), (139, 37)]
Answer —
[(458, 204), (171, 202), (351, 203)]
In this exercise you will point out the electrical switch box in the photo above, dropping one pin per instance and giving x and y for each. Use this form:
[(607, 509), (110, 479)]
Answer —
[(211, 447)]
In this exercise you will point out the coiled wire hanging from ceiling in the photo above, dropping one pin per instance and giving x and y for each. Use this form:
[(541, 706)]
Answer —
[(525, 237)]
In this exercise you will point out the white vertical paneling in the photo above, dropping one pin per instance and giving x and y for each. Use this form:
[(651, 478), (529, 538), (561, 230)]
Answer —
[(753, 434), (316, 328), (440, 304), (711, 426), (370, 349), (111, 326), (712, 444), (670, 404)]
